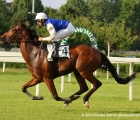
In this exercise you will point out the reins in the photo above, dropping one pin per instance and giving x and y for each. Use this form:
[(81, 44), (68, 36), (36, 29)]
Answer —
[(27, 41)]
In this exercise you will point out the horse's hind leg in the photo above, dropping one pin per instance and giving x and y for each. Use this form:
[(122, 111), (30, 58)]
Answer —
[(31, 83), (83, 87), (96, 84)]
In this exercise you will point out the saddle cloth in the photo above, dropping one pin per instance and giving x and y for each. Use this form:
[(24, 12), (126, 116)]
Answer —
[(63, 51)]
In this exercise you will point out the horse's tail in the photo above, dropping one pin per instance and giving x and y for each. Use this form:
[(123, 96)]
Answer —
[(107, 65)]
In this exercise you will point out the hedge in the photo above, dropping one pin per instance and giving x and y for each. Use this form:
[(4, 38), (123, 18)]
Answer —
[(14, 65)]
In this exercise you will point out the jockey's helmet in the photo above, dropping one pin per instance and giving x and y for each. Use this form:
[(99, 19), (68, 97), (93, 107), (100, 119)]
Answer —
[(41, 16)]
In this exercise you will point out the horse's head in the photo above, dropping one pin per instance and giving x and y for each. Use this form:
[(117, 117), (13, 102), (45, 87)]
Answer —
[(14, 35)]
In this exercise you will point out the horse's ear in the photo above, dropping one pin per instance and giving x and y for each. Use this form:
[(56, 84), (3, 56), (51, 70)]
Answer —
[(21, 24)]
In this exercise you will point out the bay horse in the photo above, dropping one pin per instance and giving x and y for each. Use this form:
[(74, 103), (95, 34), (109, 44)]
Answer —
[(83, 61)]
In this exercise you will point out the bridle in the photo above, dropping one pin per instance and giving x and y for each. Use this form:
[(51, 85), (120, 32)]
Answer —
[(16, 36), (16, 33)]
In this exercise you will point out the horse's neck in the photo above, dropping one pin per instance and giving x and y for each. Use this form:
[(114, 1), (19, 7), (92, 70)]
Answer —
[(28, 51), (26, 48)]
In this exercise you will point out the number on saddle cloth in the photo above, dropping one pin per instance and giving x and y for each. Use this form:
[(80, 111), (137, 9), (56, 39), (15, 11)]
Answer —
[(63, 51)]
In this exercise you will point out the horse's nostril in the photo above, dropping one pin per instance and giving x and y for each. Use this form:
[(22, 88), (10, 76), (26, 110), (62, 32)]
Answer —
[(1, 41)]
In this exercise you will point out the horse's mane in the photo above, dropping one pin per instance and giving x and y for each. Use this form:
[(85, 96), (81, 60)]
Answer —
[(32, 33), (33, 36)]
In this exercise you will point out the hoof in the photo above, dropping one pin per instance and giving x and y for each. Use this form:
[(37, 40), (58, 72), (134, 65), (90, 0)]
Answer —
[(86, 104), (37, 98), (65, 105)]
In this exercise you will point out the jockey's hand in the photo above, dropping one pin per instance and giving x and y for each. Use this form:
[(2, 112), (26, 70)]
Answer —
[(40, 39)]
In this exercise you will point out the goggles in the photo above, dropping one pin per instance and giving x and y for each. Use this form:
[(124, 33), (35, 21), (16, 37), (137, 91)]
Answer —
[(38, 20)]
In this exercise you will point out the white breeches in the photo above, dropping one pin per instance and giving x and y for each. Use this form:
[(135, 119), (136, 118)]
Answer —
[(64, 33)]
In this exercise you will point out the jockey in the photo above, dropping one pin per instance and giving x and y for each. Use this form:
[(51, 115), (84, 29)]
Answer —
[(58, 29)]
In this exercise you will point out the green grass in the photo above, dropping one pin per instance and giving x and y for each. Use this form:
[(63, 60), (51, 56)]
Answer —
[(109, 102)]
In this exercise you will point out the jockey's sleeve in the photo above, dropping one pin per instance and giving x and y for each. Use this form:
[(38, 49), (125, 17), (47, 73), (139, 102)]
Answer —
[(52, 32)]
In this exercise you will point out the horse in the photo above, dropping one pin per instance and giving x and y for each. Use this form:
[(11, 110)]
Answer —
[(83, 61)]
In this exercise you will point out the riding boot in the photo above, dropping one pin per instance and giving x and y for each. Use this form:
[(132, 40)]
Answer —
[(56, 46)]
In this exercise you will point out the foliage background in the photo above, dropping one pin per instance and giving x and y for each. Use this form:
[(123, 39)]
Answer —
[(113, 22)]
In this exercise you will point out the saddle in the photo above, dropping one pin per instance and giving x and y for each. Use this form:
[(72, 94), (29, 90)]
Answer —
[(63, 51)]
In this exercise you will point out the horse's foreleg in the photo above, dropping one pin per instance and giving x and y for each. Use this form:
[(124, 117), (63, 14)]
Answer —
[(96, 84), (31, 83), (83, 88), (52, 89)]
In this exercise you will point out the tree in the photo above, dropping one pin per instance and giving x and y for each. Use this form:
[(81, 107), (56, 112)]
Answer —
[(52, 13), (4, 17), (113, 22), (133, 19), (4, 21), (136, 44), (128, 12), (104, 10), (114, 36), (21, 9), (74, 8)]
